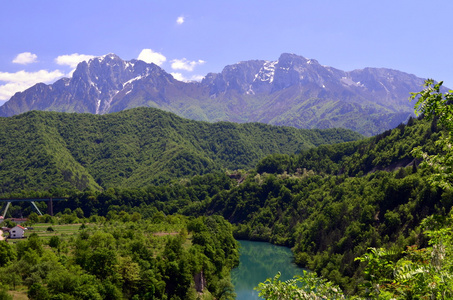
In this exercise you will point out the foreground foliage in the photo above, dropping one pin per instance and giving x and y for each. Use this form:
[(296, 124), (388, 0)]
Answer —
[(167, 257), (306, 287)]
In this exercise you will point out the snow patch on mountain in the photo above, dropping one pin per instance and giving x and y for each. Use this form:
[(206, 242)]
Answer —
[(267, 72), (349, 82), (134, 79), (98, 105)]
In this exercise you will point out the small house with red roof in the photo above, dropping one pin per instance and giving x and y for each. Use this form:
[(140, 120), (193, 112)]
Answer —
[(17, 232)]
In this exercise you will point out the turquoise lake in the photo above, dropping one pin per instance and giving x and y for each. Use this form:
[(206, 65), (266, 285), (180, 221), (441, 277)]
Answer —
[(259, 261)]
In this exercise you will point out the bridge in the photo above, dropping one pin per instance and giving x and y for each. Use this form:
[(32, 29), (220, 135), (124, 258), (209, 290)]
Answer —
[(32, 201)]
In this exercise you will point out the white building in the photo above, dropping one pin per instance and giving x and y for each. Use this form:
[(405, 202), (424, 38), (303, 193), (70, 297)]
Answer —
[(17, 232)]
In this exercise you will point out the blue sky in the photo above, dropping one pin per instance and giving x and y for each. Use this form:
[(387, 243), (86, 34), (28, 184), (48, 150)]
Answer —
[(41, 41)]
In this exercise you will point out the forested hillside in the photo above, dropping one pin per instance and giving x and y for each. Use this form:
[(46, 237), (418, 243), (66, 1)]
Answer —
[(387, 151), (134, 148)]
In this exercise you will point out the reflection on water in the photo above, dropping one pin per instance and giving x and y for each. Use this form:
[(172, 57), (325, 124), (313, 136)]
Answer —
[(259, 261)]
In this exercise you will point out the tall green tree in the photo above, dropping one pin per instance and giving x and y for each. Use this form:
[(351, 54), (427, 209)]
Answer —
[(437, 106)]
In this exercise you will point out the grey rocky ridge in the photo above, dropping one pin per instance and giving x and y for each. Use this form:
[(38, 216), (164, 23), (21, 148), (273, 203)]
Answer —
[(292, 91)]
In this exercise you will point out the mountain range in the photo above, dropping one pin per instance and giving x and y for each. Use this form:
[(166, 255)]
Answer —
[(292, 91)]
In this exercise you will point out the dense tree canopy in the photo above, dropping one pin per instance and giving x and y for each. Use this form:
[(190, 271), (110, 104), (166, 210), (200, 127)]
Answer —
[(158, 258), (136, 148)]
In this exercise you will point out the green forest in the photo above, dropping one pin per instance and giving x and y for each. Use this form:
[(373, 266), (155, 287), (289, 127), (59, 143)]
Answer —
[(370, 218), (124, 257), (136, 148)]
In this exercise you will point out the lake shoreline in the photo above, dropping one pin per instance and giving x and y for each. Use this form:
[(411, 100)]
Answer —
[(259, 261)]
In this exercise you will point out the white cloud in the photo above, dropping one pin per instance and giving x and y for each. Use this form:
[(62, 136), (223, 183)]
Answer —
[(197, 78), (180, 77), (72, 60), (30, 77), (25, 58), (180, 20), (184, 64), (8, 90), (149, 56), (20, 81)]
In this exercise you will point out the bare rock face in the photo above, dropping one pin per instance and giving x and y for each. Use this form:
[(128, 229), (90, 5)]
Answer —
[(292, 91), (200, 282)]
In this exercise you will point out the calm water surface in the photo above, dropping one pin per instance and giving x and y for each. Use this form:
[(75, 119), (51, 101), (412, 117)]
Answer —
[(259, 261)]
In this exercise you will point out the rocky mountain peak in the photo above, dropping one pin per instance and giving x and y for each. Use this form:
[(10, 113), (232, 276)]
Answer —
[(237, 77), (259, 76), (108, 58), (289, 59), (293, 70)]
